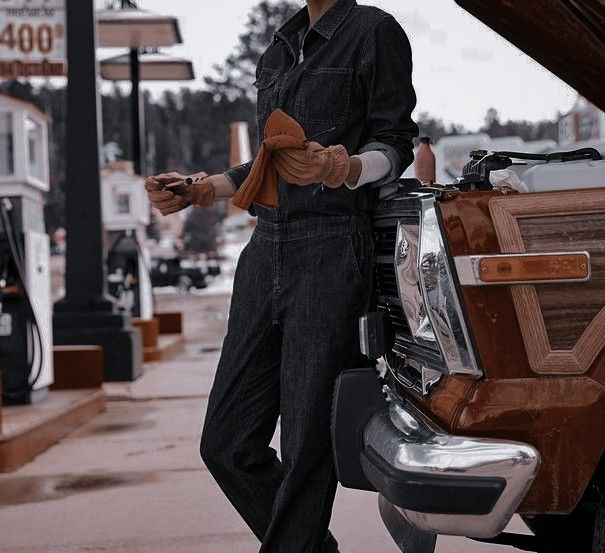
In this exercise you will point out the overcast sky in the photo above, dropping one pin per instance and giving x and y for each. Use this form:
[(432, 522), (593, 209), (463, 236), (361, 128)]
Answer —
[(461, 68)]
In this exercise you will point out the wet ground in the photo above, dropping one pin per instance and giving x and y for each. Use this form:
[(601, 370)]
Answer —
[(131, 479)]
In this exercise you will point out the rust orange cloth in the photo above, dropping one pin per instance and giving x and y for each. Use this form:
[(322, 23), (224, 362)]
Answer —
[(281, 131)]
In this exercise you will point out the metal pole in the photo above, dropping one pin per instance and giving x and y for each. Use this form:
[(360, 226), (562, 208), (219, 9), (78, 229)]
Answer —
[(136, 111), (85, 276)]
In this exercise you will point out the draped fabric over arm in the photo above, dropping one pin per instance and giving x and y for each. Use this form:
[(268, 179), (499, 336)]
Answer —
[(281, 131)]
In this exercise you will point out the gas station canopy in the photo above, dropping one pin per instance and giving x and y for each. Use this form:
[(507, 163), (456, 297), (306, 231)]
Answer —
[(133, 28), (138, 30), (154, 66)]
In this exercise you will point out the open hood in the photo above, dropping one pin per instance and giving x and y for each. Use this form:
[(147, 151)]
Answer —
[(567, 37)]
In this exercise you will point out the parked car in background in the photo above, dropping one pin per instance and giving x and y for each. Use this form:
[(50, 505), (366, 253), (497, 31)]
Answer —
[(176, 272), (489, 331), (213, 265)]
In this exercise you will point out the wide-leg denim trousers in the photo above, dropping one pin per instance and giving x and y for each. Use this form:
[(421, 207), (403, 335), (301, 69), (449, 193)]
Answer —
[(299, 290)]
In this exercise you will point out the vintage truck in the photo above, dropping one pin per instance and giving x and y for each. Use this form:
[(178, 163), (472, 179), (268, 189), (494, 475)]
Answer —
[(489, 331)]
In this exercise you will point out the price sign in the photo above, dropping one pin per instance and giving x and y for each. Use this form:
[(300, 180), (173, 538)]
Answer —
[(32, 37)]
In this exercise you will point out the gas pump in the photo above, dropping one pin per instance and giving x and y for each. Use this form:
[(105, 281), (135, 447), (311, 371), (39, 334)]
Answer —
[(125, 215), (25, 299)]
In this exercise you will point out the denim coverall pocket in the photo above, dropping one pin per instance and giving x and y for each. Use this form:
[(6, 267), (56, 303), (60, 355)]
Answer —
[(323, 95)]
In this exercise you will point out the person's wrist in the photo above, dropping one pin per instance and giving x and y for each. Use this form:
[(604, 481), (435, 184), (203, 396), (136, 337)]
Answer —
[(224, 186), (355, 168), (339, 166), (203, 192)]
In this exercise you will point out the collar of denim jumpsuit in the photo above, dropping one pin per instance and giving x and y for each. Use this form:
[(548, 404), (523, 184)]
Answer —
[(326, 25)]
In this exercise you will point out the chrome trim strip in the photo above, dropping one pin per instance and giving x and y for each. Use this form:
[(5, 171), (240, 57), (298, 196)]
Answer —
[(441, 298), (409, 381), (467, 267), (408, 441), (429, 377), (413, 375), (364, 346)]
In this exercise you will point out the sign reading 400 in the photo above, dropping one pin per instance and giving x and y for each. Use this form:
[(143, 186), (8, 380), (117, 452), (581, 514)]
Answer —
[(32, 30)]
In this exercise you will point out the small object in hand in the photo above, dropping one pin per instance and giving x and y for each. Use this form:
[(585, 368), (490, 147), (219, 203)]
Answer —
[(320, 134), (169, 193), (191, 180), (175, 185), (187, 181)]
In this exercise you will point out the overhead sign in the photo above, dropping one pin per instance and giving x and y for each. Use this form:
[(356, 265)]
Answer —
[(32, 38)]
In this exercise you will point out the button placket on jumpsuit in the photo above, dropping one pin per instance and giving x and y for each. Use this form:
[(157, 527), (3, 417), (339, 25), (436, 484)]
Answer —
[(300, 286)]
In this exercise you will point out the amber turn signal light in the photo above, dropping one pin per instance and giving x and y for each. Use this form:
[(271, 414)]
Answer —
[(529, 268)]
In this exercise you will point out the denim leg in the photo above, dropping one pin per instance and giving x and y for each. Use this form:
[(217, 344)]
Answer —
[(243, 405), (326, 284)]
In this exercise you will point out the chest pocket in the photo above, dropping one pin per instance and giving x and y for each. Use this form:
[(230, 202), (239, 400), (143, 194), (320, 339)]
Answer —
[(323, 95), (267, 90)]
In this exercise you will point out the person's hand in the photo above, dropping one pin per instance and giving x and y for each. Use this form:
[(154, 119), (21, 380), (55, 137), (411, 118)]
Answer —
[(163, 199), (169, 192), (315, 163), (198, 189)]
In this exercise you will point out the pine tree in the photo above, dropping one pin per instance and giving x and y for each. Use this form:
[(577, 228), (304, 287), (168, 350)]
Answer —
[(234, 78)]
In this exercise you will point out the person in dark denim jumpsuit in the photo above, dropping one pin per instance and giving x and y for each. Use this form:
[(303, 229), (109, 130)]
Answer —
[(304, 278)]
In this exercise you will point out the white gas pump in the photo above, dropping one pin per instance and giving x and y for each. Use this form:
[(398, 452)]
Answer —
[(25, 297), (125, 215)]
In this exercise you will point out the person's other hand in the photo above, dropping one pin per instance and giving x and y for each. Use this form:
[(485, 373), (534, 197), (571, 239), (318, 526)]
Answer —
[(313, 164), (199, 192), (163, 199), (170, 193)]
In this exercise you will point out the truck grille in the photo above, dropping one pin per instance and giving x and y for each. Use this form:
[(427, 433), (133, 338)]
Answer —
[(396, 316), (385, 237), (385, 229), (387, 282)]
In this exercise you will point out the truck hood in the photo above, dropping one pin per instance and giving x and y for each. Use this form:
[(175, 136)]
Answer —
[(567, 37)]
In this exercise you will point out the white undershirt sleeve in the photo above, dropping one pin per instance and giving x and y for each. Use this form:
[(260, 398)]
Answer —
[(374, 166)]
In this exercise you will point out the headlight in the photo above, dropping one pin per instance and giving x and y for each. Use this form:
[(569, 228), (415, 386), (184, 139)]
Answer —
[(408, 285), (428, 294)]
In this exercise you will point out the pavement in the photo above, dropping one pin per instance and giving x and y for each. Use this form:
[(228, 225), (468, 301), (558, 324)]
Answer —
[(131, 480)]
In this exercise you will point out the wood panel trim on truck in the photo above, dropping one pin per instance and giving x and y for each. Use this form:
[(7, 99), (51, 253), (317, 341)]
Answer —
[(525, 223)]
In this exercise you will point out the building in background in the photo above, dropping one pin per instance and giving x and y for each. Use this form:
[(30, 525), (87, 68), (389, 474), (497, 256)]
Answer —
[(585, 122)]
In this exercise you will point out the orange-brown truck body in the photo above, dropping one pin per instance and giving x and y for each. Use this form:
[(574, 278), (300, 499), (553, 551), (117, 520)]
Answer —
[(557, 407)]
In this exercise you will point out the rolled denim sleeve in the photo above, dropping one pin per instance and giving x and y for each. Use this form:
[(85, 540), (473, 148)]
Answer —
[(386, 74), (237, 175)]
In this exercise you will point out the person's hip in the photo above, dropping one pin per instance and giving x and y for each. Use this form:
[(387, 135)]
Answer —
[(312, 226)]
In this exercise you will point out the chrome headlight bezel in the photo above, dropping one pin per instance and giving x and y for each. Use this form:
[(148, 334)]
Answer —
[(408, 276), (428, 293)]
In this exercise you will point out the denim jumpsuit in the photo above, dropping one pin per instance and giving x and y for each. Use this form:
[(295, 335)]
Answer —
[(304, 278)]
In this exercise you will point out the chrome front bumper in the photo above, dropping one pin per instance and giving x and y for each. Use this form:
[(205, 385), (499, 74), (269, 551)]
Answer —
[(445, 484)]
